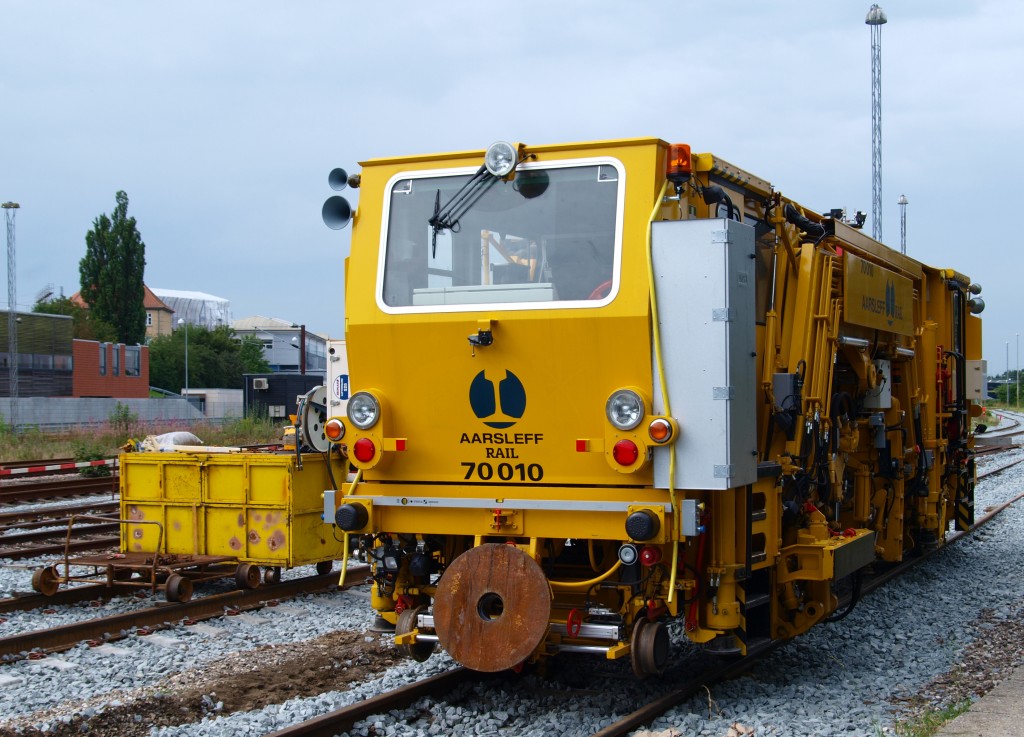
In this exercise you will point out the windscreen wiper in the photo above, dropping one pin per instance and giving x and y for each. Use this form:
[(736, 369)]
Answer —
[(447, 217)]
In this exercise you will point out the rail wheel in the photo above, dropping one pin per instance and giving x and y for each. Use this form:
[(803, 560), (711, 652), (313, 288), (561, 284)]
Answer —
[(272, 576), (247, 576), (178, 588), (324, 567), (649, 648), (418, 651), (46, 580)]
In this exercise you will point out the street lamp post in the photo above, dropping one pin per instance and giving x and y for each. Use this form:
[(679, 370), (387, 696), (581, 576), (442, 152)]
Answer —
[(182, 322)]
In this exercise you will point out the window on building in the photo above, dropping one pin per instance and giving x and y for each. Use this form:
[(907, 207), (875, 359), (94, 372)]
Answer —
[(132, 360), (117, 359), (149, 319), (62, 363), (103, 359)]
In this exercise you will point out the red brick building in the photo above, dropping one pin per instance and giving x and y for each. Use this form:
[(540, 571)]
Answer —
[(110, 370)]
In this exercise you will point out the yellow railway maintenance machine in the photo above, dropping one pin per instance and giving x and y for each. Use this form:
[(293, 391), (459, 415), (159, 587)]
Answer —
[(604, 386)]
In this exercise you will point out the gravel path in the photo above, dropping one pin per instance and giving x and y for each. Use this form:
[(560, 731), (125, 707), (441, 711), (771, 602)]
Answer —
[(939, 635)]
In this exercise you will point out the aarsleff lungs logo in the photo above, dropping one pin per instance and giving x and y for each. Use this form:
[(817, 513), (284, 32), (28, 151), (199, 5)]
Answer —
[(505, 406)]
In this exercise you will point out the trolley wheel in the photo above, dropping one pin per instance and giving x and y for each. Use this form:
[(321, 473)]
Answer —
[(247, 576), (324, 567), (272, 576), (418, 651), (46, 580), (649, 648), (178, 588)]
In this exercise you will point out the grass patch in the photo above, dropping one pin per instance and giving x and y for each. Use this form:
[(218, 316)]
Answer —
[(929, 722), (105, 440)]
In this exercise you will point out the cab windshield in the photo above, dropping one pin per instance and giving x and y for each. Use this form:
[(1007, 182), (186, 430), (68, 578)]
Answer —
[(548, 234)]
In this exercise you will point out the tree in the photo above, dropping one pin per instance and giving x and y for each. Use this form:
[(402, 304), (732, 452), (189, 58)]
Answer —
[(251, 352), (85, 325), (111, 273), (216, 359)]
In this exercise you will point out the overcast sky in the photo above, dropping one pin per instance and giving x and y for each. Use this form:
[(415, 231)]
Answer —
[(221, 120)]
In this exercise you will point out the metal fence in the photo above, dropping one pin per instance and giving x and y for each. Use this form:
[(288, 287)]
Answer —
[(61, 413)]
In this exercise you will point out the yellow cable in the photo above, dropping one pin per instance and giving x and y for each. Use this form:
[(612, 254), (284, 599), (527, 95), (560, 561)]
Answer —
[(586, 584), (344, 553), (656, 332), (355, 480), (344, 562), (590, 553)]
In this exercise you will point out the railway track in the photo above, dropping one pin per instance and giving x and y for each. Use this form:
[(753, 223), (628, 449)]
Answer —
[(36, 491), (106, 629), (44, 531)]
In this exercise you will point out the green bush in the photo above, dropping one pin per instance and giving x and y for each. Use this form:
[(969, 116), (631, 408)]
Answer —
[(122, 420), (91, 450)]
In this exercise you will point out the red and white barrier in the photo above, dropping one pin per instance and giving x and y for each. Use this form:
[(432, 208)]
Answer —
[(57, 467)]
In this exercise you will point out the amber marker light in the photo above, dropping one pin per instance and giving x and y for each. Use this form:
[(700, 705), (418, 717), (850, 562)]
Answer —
[(680, 166), (660, 430), (334, 429)]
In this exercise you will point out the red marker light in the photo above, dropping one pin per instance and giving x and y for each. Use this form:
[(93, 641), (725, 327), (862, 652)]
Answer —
[(649, 556), (625, 452), (364, 450)]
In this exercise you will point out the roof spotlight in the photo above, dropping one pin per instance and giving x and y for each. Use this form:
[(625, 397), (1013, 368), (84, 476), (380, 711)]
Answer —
[(501, 158)]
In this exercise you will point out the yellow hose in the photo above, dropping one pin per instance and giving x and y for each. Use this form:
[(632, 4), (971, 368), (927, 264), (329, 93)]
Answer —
[(355, 480), (344, 553), (590, 553), (586, 584), (656, 331), (344, 562)]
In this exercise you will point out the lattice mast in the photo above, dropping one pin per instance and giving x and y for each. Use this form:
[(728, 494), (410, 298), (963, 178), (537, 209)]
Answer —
[(902, 202), (876, 18), (10, 210)]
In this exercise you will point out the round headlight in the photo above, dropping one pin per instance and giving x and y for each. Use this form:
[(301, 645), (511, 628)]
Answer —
[(501, 158), (625, 409), (363, 410)]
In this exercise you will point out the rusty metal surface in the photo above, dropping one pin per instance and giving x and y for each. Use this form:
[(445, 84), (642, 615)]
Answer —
[(27, 602), (336, 722), (107, 628), (492, 607)]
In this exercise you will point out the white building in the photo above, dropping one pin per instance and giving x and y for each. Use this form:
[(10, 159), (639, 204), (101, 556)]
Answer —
[(282, 343), (196, 308)]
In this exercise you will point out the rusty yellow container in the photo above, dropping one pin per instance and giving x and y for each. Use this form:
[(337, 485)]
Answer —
[(256, 507)]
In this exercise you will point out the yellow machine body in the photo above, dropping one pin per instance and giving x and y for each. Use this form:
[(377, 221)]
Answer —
[(497, 324)]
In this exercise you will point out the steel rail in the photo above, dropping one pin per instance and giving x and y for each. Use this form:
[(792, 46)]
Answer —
[(78, 486), (76, 595), (99, 543), (37, 535), (29, 516), (342, 720), (110, 628)]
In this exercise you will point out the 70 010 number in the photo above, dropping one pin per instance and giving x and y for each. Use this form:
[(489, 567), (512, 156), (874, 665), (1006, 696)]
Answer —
[(504, 471)]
